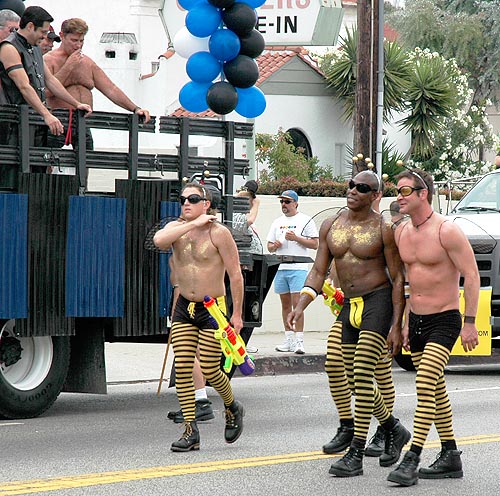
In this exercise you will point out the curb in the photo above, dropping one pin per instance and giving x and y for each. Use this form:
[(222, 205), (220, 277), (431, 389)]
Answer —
[(289, 364)]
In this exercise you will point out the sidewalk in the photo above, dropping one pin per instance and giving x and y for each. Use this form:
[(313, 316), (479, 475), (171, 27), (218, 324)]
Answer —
[(132, 362)]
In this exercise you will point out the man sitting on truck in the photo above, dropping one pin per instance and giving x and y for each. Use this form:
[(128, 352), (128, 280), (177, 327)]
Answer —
[(203, 251)]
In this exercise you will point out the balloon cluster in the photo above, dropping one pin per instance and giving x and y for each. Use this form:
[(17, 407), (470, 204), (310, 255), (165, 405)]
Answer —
[(220, 43)]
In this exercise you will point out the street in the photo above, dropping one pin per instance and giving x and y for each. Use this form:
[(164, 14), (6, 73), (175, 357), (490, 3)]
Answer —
[(119, 444)]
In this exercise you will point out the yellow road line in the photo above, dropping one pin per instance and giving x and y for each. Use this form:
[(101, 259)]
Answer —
[(104, 478)]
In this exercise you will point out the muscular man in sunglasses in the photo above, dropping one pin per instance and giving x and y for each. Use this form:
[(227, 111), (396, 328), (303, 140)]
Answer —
[(203, 251), (435, 252), (369, 270)]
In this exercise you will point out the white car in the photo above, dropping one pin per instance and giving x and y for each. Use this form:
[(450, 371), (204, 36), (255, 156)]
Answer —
[(478, 214)]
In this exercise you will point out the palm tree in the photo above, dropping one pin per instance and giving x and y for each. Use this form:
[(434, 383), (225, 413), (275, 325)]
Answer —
[(420, 86)]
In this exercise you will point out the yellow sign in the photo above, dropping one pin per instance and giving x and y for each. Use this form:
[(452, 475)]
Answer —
[(482, 323)]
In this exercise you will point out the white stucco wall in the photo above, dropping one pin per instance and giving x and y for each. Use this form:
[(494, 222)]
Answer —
[(317, 316), (317, 117)]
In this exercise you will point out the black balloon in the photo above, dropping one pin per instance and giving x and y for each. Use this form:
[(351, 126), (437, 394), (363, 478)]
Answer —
[(253, 44), (15, 5), (240, 18), (242, 71), (221, 4), (222, 98)]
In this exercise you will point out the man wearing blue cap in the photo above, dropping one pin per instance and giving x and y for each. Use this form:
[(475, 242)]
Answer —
[(291, 234)]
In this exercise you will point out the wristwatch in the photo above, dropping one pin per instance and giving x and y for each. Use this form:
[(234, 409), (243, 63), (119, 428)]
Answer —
[(469, 319)]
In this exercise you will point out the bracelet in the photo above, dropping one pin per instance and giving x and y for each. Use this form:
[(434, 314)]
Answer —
[(307, 290), (469, 319), (136, 109)]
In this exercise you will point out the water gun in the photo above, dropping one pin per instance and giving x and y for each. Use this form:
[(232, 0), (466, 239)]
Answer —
[(334, 298), (231, 343)]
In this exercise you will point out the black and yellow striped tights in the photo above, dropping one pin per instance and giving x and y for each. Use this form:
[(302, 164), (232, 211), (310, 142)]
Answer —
[(433, 403), (351, 368), (185, 340), (337, 379)]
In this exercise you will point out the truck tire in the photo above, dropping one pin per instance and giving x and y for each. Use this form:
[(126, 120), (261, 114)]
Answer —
[(404, 361), (32, 372)]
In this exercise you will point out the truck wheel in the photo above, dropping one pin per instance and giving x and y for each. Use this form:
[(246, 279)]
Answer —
[(32, 372), (404, 361)]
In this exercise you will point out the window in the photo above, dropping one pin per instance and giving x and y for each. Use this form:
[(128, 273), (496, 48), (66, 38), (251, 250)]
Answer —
[(118, 38), (300, 142)]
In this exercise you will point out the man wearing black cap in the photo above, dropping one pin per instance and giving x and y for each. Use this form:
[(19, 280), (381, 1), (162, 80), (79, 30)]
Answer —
[(47, 44), (291, 234), (244, 222)]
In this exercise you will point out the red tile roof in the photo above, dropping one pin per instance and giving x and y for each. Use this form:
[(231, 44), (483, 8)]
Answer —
[(271, 61)]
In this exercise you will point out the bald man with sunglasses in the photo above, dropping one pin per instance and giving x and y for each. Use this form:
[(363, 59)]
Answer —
[(203, 250), (435, 252), (369, 270)]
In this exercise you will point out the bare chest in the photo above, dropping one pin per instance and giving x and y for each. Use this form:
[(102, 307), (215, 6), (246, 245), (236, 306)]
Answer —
[(364, 240)]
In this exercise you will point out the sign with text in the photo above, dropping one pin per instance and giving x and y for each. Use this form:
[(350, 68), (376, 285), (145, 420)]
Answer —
[(300, 22), (283, 22)]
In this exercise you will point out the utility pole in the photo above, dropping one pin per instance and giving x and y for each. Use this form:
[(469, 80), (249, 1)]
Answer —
[(365, 100), (362, 98)]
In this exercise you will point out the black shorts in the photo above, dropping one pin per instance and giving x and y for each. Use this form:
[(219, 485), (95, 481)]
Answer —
[(441, 328), (371, 312), (195, 313)]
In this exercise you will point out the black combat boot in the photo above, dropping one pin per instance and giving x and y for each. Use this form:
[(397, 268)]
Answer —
[(350, 465), (377, 443), (395, 440), (447, 465), (341, 441), (406, 473), (190, 440), (234, 421), (203, 412)]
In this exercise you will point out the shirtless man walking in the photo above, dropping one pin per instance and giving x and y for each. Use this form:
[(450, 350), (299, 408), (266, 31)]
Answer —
[(203, 251), (435, 252), (79, 74), (361, 245)]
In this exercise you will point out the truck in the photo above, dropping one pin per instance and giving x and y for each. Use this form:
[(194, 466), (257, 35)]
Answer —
[(74, 268), (478, 215)]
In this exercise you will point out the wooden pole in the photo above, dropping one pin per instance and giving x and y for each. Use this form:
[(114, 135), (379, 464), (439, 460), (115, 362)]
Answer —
[(164, 363), (362, 119)]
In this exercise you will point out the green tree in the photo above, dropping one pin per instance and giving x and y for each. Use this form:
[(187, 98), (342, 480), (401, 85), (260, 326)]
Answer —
[(339, 67), (420, 85), (466, 30), (284, 159)]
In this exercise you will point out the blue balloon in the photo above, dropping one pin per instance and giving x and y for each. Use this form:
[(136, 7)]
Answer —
[(224, 45), (251, 102), (189, 4), (202, 20), (193, 96), (203, 67), (255, 4)]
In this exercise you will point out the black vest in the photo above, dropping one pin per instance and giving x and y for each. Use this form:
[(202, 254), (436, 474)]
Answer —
[(32, 60)]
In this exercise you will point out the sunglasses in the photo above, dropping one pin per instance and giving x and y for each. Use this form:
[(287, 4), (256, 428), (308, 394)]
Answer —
[(286, 202), (361, 187), (192, 199), (407, 190)]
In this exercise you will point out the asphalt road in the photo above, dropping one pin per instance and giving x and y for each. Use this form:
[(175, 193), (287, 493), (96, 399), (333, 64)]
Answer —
[(119, 444)]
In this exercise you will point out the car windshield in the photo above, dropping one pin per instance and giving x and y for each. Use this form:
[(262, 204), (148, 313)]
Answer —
[(483, 197)]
